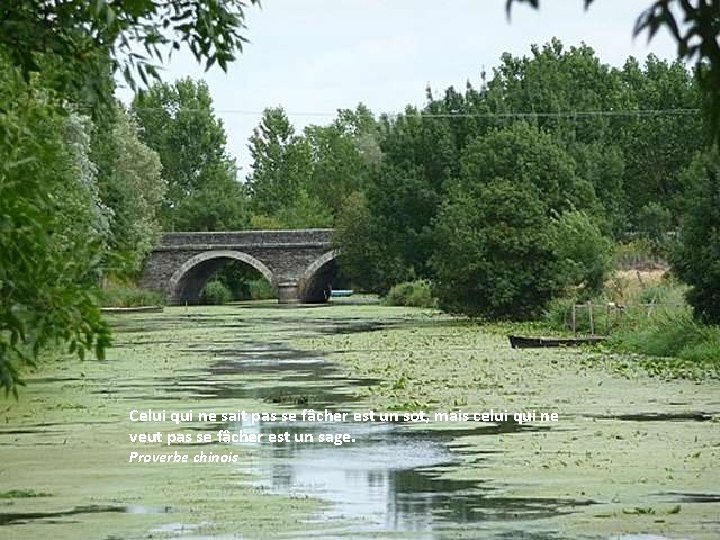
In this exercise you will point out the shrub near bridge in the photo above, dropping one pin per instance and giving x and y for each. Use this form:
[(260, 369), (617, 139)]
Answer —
[(411, 293), (260, 289), (130, 297), (216, 293)]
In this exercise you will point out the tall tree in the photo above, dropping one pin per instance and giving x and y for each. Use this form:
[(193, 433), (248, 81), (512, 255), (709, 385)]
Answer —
[(303, 180), (54, 53), (343, 156), (360, 251), (420, 157), (657, 142), (630, 130), (282, 164), (132, 186), (528, 155), (695, 26), (602, 164), (697, 258), (53, 228), (494, 252), (553, 82), (178, 122), (500, 251), (360, 124)]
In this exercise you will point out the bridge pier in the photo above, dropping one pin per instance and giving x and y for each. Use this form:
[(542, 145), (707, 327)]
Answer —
[(288, 292)]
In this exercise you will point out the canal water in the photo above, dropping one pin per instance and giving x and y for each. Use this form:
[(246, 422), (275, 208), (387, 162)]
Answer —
[(396, 480), (390, 480)]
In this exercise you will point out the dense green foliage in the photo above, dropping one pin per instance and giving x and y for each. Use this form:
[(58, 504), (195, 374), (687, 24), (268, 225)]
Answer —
[(411, 293), (116, 296), (78, 189), (494, 254), (572, 153), (215, 292), (583, 254), (695, 26), (83, 42), (302, 180), (130, 183), (696, 259), (179, 124), (281, 163), (359, 248), (53, 228)]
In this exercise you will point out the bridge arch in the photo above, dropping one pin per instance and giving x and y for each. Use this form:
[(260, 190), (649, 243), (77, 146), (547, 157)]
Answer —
[(188, 280), (317, 276), (183, 261)]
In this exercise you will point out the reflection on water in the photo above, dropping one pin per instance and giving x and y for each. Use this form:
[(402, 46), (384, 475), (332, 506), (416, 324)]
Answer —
[(13, 518), (371, 480), (390, 479)]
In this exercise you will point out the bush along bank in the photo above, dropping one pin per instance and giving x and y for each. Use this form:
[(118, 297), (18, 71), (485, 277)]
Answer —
[(651, 319), (126, 297)]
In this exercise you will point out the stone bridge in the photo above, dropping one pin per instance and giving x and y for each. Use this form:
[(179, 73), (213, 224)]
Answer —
[(299, 264)]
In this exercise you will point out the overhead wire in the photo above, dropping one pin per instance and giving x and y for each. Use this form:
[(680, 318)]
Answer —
[(557, 114)]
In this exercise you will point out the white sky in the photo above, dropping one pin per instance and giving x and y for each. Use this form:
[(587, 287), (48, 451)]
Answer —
[(315, 56)]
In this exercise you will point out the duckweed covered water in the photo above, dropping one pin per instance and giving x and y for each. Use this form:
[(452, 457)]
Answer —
[(632, 455)]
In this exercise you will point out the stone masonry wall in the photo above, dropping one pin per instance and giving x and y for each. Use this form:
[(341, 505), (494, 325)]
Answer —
[(287, 254)]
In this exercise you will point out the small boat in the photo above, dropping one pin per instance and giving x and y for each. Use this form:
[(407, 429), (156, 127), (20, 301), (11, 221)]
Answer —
[(526, 342), (341, 292)]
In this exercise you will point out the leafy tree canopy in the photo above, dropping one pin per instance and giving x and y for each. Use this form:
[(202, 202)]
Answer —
[(53, 229), (179, 123), (66, 189), (492, 252), (131, 184), (695, 26), (88, 39), (303, 179), (509, 236), (697, 258), (526, 155), (282, 163)]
